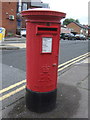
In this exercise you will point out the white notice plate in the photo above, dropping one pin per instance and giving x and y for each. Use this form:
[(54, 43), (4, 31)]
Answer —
[(46, 45)]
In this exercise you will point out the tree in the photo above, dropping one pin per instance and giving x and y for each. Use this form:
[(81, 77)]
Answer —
[(77, 21), (69, 20)]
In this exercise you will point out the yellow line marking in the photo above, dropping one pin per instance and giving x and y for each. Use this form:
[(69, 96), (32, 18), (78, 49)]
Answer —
[(23, 87), (72, 60), (12, 93), (23, 81), (12, 86), (71, 63)]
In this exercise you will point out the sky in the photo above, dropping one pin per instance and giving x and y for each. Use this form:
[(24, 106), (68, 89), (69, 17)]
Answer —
[(76, 9)]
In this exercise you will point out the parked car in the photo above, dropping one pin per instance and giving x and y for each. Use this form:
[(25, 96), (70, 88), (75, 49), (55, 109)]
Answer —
[(88, 38), (62, 35), (23, 32), (80, 37), (69, 36)]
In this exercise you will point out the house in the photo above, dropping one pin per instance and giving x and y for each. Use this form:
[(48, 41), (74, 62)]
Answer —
[(64, 29), (9, 21), (11, 18), (77, 28)]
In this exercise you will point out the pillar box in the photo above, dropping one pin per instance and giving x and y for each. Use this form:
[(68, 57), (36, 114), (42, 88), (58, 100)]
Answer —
[(42, 48)]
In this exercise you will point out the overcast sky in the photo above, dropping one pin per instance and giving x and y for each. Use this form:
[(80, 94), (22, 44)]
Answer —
[(77, 9)]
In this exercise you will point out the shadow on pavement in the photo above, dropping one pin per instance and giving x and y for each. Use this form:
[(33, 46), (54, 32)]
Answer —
[(66, 106)]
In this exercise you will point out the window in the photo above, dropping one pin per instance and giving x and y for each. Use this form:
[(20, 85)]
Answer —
[(24, 6)]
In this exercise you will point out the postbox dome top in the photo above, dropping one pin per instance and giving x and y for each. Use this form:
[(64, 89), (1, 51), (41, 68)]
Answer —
[(39, 9), (43, 14), (42, 9)]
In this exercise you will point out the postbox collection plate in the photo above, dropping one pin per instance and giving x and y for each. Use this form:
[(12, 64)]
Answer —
[(46, 44)]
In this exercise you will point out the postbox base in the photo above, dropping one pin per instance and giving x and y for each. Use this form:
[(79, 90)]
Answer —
[(41, 101)]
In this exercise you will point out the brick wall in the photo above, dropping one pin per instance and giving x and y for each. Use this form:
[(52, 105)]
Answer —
[(74, 27), (9, 8)]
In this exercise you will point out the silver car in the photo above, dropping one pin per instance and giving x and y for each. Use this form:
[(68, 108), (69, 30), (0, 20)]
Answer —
[(80, 37), (23, 32)]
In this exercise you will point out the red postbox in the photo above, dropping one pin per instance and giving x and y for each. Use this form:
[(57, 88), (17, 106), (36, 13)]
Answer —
[(42, 47)]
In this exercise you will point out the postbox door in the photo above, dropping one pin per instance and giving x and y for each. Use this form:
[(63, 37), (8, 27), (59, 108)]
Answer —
[(48, 62)]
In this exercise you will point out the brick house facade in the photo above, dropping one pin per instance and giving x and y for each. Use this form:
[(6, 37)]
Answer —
[(78, 28), (9, 17)]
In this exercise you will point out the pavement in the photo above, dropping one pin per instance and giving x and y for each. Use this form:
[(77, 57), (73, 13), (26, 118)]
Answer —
[(13, 43), (19, 38), (72, 96)]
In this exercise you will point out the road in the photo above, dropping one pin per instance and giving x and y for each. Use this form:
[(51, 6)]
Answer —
[(14, 68), (68, 50), (72, 49), (14, 61)]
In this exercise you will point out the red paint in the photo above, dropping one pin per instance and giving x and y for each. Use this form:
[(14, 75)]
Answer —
[(42, 68)]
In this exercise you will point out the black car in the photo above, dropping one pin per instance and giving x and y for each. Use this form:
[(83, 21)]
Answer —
[(69, 36)]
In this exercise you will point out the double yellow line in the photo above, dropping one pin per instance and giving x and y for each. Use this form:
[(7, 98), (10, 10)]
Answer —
[(60, 68), (13, 92), (72, 61)]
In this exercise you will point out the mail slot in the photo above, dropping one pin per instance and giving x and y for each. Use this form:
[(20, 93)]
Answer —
[(42, 47), (47, 29)]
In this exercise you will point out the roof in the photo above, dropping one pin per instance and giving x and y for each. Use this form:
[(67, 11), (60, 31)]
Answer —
[(80, 25)]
